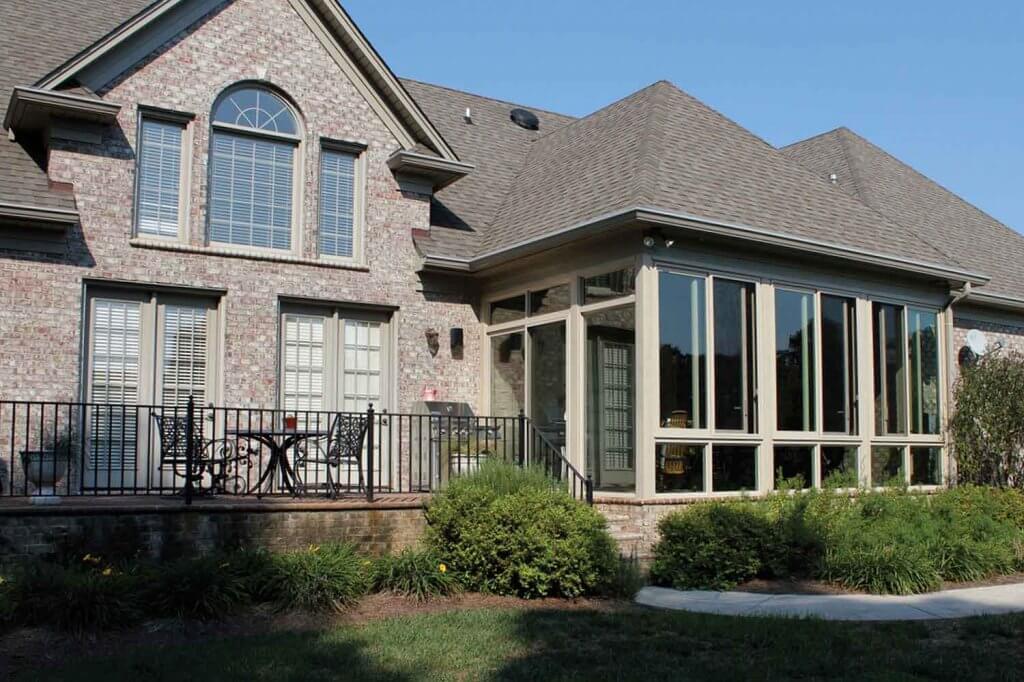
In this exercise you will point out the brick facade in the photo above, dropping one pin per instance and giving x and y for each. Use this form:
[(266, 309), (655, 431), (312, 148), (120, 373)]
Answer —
[(41, 296)]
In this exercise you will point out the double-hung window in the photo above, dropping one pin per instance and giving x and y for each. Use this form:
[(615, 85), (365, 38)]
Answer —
[(160, 168), (253, 152), (339, 217)]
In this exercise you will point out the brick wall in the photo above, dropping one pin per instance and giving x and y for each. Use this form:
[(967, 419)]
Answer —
[(164, 535), (41, 295)]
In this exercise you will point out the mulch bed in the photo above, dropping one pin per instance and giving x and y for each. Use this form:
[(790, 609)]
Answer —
[(34, 648)]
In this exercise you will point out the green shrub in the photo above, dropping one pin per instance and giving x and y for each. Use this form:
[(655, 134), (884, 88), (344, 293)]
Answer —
[(415, 573), (879, 566), (204, 588), (321, 578), (511, 532), (255, 569), (715, 546), (627, 579), (75, 599)]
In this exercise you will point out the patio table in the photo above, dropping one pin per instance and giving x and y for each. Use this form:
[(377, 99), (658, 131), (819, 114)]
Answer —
[(279, 440)]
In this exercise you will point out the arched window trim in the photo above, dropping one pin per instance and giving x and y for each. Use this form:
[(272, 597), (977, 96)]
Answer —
[(296, 140)]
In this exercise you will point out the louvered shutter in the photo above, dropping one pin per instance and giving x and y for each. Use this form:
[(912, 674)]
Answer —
[(186, 345), (159, 184), (115, 379), (337, 201), (251, 191)]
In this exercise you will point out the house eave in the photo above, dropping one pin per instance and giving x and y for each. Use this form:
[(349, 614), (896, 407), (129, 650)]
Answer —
[(37, 216), (991, 300), (32, 109), (437, 171)]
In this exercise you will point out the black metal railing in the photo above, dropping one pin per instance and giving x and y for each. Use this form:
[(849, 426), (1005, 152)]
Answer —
[(75, 449)]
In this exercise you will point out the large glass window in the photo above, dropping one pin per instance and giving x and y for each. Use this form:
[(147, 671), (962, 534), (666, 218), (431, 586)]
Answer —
[(794, 467), (683, 335), (680, 468), (838, 364), (794, 360), (550, 300), (611, 398), (337, 203), (926, 466), (158, 199), (508, 374), (252, 161), (547, 364), (839, 466), (887, 466), (508, 310), (733, 468), (734, 355), (924, 371), (889, 370), (607, 286)]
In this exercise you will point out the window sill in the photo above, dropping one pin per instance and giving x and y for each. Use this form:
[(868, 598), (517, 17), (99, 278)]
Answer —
[(225, 252)]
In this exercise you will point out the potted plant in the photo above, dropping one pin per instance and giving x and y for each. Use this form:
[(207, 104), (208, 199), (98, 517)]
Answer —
[(47, 466)]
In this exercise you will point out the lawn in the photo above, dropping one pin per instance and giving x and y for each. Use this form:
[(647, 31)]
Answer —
[(613, 644)]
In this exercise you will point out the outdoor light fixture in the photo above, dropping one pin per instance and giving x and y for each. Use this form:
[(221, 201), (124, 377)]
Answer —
[(649, 242), (433, 342), (457, 341)]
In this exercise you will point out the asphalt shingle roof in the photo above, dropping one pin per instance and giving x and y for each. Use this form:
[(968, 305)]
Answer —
[(921, 206)]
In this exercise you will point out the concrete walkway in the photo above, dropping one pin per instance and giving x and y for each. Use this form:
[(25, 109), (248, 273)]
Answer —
[(975, 601)]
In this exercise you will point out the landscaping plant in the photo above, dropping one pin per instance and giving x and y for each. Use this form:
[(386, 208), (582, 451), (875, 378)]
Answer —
[(418, 573), (512, 532), (205, 588), (320, 578)]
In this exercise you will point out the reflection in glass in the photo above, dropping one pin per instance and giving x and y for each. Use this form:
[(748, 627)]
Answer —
[(683, 351), (733, 467), (508, 310), (550, 300), (793, 467), (794, 360), (890, 375), (839, 466), (925, 466), (608, 285), (839, 364), (924, 371), (680, 468), (508, 374), (886, 466), (734, 355), (610, 399), (547, 381)]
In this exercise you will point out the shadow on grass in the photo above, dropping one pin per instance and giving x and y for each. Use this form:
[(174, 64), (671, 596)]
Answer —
[(590, 645)]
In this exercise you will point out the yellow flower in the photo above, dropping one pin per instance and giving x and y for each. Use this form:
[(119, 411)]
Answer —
[(2, 580), (442, 568), (313, 549), (108, 571)]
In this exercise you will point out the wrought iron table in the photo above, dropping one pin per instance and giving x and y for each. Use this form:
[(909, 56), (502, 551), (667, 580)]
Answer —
[(279, 440)]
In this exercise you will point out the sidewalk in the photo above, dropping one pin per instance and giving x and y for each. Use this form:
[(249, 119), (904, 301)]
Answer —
[(976, 601)]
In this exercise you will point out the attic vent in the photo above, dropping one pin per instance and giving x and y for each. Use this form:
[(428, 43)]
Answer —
[(525, 119)]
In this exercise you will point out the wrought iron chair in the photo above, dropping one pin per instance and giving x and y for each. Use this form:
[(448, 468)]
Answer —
[(343, 446), (217, 458)]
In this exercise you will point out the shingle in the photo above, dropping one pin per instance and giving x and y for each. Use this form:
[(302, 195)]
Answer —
[(920, 205)]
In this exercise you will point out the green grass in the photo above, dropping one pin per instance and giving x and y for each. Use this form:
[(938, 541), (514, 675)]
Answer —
[(586, 645)]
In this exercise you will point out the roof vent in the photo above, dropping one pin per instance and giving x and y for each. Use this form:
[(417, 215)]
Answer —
[(833, 178), (525, 119)]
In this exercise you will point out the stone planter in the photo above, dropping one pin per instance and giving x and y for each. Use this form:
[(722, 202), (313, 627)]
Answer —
[(45, 469)]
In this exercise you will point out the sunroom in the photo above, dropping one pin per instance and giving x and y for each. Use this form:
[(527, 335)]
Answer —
[(686, 368)]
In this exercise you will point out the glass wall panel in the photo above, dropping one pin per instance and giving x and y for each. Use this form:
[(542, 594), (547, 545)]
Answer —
[(550, 300), (733, 468), (734, 355), (886, 466), (838, 364), (508, 375), (793, 467), (926, 466), (839, 466), (608, 285), (924, 371), (683, 335), (889, 370), (680, 468), (610, 399), (508, 310), (547, 381), (794, 360)]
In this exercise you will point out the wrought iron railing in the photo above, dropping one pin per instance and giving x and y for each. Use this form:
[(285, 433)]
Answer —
[(74, 449)]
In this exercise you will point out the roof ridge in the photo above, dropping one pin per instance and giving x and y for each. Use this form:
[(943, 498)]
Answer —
[(855, 175), (591, 115), (497, 100), (647, 169)]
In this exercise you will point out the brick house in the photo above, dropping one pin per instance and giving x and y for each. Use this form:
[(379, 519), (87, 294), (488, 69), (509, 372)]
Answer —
[(239, 201)]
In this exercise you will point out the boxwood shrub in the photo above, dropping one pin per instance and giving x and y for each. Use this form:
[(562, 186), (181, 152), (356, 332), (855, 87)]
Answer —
[(511, 532)]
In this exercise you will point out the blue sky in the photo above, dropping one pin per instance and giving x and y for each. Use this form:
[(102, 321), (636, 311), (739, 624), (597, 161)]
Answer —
[(939, 84)]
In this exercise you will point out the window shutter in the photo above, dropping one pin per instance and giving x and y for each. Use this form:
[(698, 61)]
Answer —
[(185, 353), (303, 363), (251, 191), (115, 379), (337, 201), (159, 182)]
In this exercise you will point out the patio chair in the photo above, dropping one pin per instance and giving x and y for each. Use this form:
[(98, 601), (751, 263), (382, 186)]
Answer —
[(217, 458), (344, 446)]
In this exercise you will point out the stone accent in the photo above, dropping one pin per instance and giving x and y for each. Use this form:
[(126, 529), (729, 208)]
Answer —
[(634, 524), (168, 534)]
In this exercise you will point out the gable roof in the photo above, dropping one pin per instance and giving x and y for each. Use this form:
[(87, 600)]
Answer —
[(919, 204)]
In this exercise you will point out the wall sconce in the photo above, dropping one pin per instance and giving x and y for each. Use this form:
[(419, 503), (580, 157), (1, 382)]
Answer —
[(457, 342), (433, 342)]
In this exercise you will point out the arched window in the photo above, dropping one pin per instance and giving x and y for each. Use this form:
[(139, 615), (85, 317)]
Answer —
[(253, 147)]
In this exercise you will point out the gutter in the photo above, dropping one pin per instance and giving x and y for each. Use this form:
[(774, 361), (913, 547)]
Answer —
[(1002, 301), (48, 218), (29, 108)]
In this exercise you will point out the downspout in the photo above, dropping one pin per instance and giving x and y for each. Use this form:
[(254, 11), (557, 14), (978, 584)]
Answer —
[(955, 296)]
